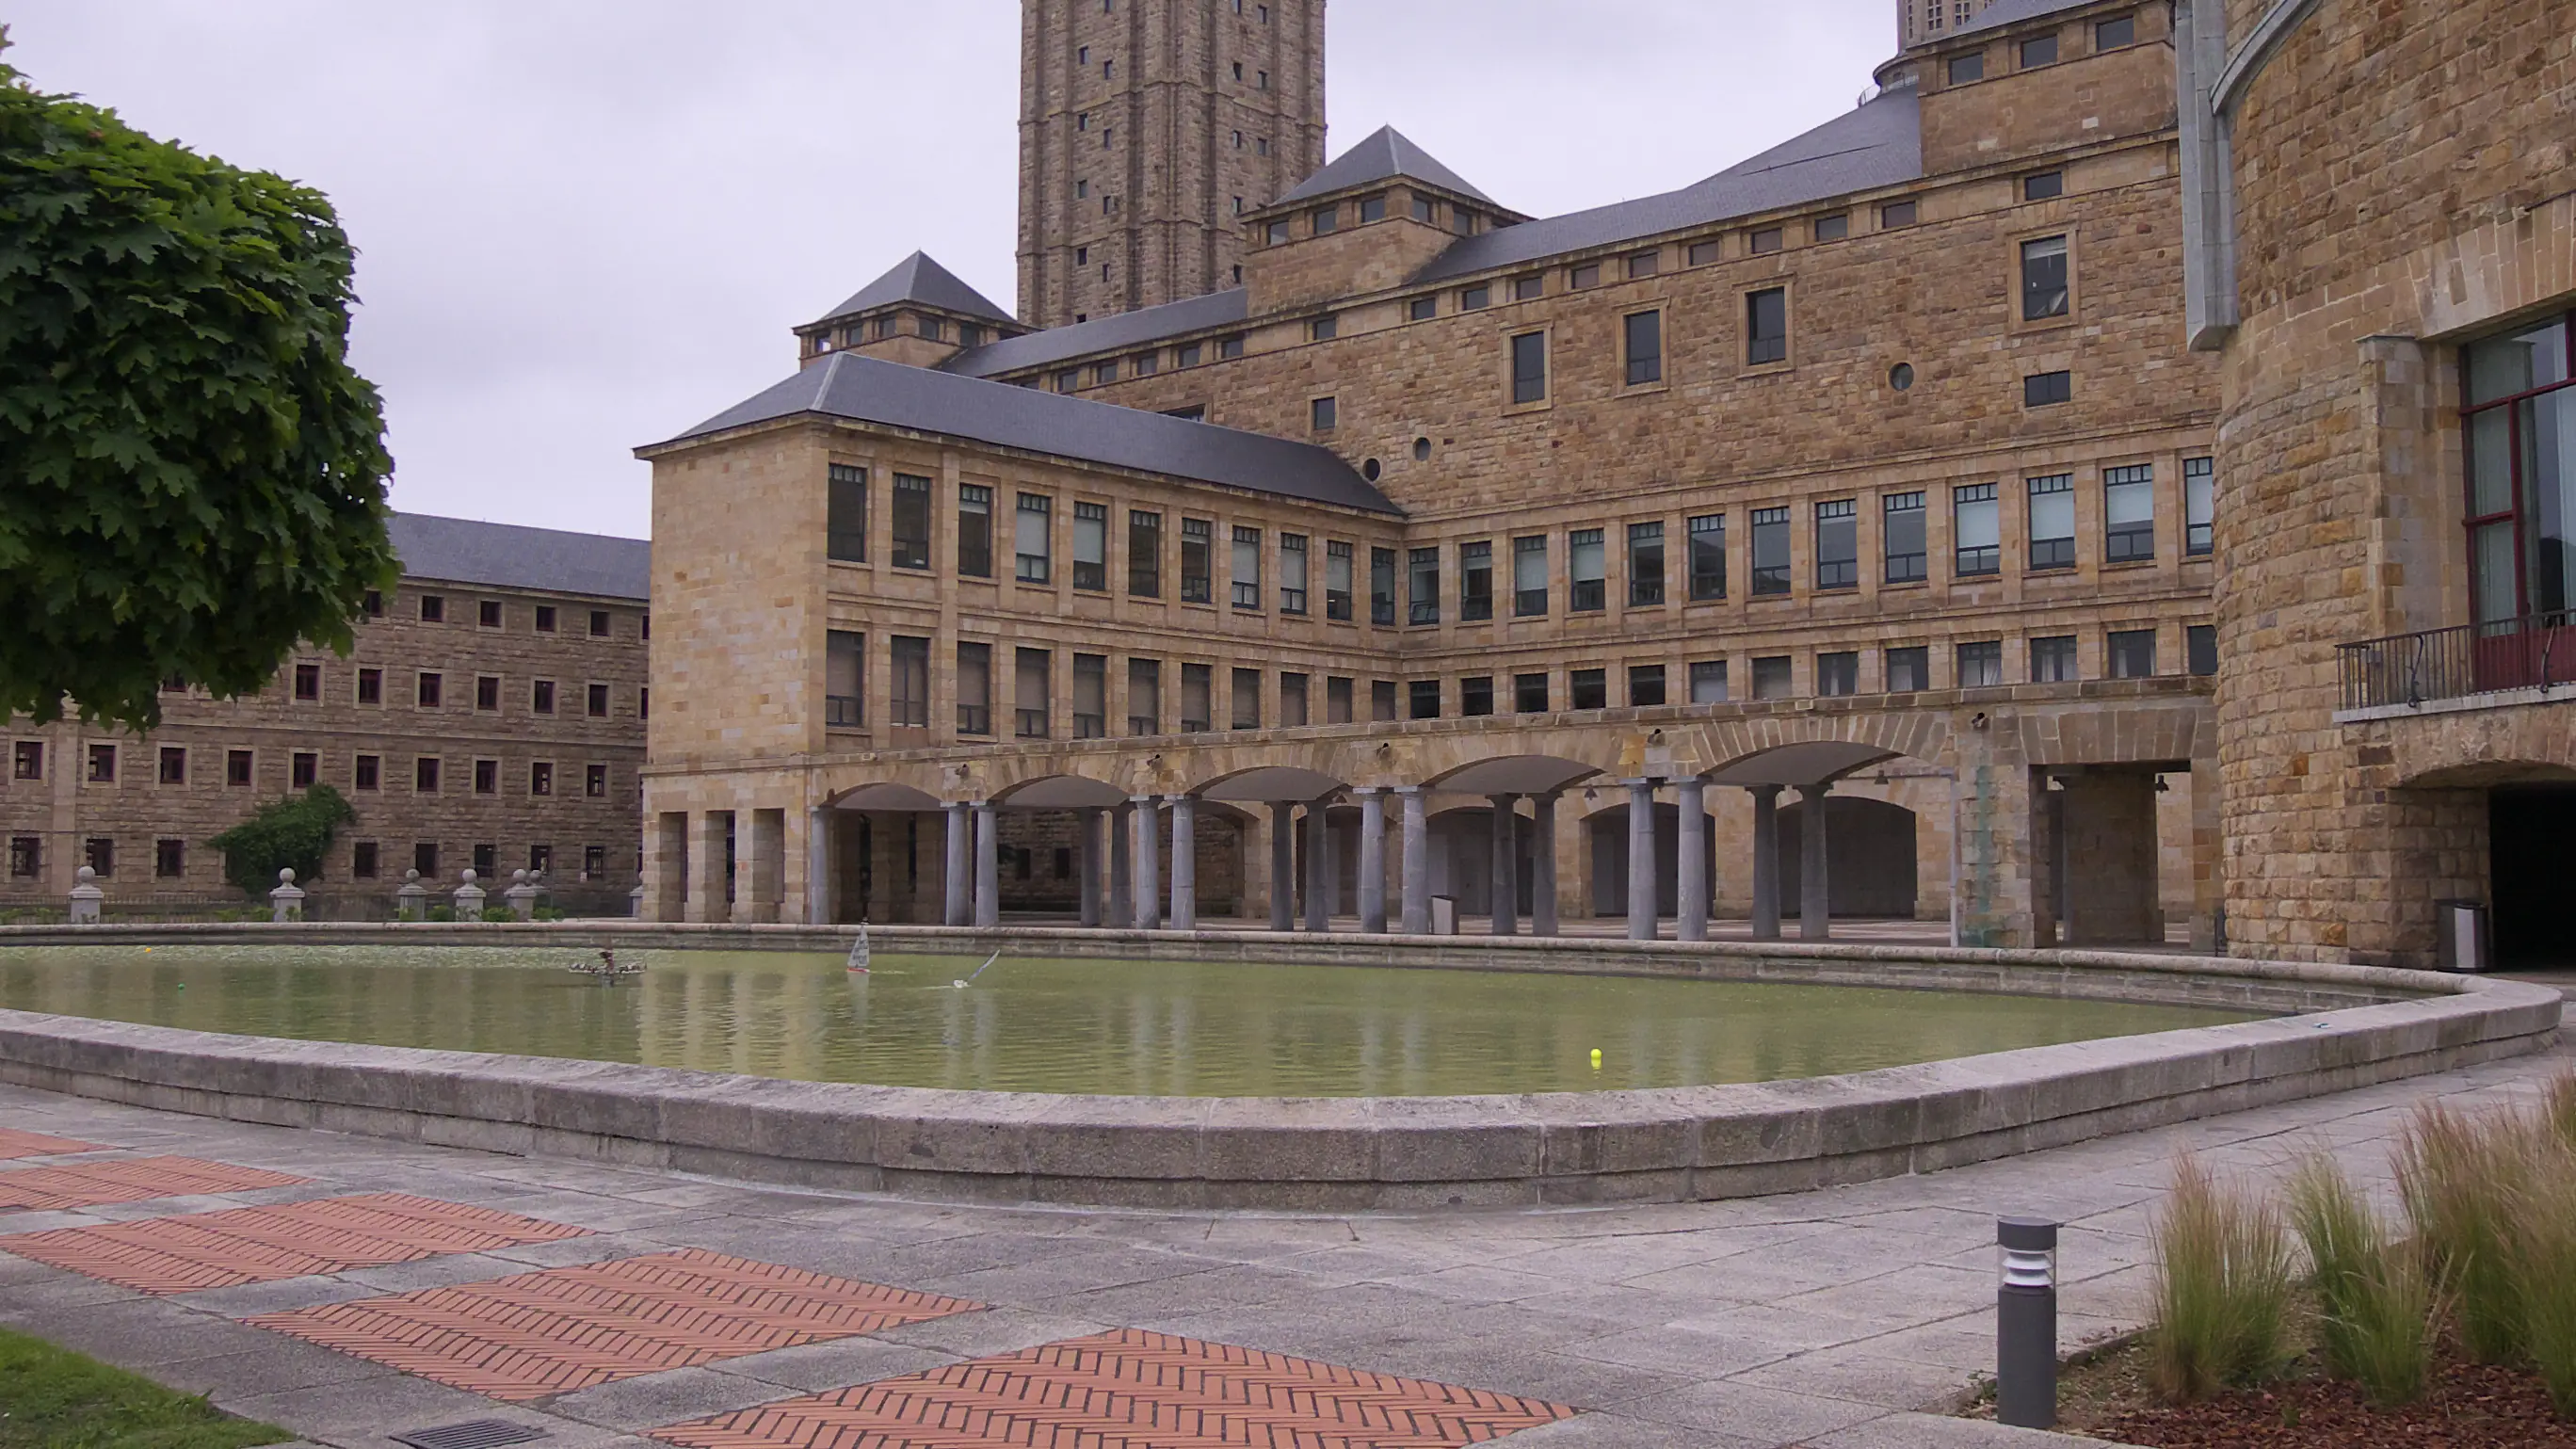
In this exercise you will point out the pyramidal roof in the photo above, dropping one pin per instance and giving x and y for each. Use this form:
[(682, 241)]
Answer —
[(920, 280), (1383, 157)]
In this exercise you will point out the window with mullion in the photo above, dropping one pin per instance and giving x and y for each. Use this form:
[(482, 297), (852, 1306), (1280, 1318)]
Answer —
[(2129, 514), (1091, 547), (1292, 573), (1529, 578), (1838, 544), (2520, 424), (1032, 542), (1246, 574), (1770, 551), (1422, 586), (1708, 557), (1977, 530), (2052, 522), (1587, 569), (1645, 565), (1476, 581), (1902, 536), (2199, 506), (846, 526)]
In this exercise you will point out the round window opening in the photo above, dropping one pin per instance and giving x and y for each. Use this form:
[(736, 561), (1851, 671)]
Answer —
[(1422, 450), (1901, 376), (1371, 469)]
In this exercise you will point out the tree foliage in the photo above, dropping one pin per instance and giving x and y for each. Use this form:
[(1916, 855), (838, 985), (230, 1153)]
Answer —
[(294, 832), (191, 476)]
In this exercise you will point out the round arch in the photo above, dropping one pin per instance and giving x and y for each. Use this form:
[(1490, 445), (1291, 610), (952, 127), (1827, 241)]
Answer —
[(886, 796), (1059, 792), (1271, 784), (1513, 775)]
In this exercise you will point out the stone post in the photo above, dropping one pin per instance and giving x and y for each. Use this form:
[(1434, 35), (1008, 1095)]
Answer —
[(1692, 858), (1504, 839), (85, 897), (1319, 851), (1641, 860), (1283, 866), (1372, 860), (1122, 867), (468, 898), (959, 885), (286, 902), (521, 897), (411, 903), (988, 866), (1815, 894), (1766, 861), (819, 823), (1086, 864), (1417, 861), (1543, 920), (1185, 863), (1149, 867), (635, 901)]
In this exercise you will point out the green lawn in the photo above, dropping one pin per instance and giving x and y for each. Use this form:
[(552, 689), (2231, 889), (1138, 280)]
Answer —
[(52, 1398)]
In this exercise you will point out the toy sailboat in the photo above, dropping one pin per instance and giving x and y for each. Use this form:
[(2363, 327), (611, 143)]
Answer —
[(860, 954)]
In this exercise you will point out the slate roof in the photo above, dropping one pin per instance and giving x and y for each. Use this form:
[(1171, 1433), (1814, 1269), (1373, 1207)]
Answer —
[(919, 279), (869, 390), (2013, 12), (505, 555), (1383, 157), (1109, 334)]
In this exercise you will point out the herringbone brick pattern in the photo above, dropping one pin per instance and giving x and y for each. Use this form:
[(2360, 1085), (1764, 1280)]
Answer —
[(532, 1336), (264, 1244), (16, 1144), (131, 1179), (1129, 1390)]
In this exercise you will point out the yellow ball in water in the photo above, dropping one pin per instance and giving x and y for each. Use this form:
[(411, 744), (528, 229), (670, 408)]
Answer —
[(1596, 1059)]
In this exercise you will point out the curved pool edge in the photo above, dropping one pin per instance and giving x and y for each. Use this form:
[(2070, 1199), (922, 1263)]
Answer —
[(1339, 1154)]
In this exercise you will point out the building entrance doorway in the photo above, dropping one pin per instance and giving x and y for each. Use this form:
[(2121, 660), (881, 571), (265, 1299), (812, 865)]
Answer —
[(2529, 829)]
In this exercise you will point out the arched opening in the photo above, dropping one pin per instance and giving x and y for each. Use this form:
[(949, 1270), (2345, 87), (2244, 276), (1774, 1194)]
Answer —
[(1870, 856), (888, 851), (2528, 830), (1606, 836), (1462, 859)]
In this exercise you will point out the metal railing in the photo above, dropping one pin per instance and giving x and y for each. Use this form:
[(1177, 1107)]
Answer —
[(2532, 652)]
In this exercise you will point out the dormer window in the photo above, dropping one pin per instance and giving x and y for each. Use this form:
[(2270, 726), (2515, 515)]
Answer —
[(1372, 208), (1327, 220)]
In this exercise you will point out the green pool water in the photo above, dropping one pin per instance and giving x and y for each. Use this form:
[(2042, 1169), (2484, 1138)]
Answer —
[(1125, 1028)]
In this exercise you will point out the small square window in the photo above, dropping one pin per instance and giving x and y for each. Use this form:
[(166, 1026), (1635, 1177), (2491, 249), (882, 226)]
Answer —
[(2116, 32), (2133, 653), (1326, 220), (1476, 696), (102, 764), (1967, 68), (1187, 355), (1475, 299), (174, 765), (2043, 185), (304, 768), (1704, 254), (1898, 213), (1229, 348), (237, 769), (1768, 239), (599, 623), (308, 682), (545, 618), (1277, 232), (1423, 309), (2039, 50), (488, 613), (1425, 699), (1327, 414), (1645, 685), (1528, 289), (1833, 228), (1642, 265), (2047, 388), (1588, 689), (2053, 661), (1529, 694), (1324, 329), (1372, 208), (1586, 275)]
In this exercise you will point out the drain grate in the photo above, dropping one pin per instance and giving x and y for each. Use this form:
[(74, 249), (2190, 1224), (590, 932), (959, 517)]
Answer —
[(473, 1434)]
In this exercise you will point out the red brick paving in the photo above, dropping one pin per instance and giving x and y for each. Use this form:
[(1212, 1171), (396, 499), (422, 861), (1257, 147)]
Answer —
[(264, 1244), (131, 1179), (539, 1334), (1129, 1390), (15, 1144)]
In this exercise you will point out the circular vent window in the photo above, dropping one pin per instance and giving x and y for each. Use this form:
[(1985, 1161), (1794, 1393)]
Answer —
[(1901, 376), (1371, 469)]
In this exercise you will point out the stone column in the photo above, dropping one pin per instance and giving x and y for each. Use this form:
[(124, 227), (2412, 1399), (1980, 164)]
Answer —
[(1283, 866), (1149, 866), (1815, 897), (1416, 862), (760, 839), (1692, 858), (1372, 860), (1086, 864), (1122, 867), (1766, 861), (1641, 860), (1319, 853), (988, 865), (707, 895), (818, 865), (1504, 839), (1185, 863), (1543, 866), (958, 887)]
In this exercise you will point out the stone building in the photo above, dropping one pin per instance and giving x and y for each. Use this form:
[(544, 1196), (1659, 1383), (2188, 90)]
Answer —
[(1830, 536), (491, 716)]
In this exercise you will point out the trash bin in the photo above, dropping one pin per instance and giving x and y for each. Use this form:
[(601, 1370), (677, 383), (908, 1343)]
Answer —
[(2467, 941), (1444, 915)]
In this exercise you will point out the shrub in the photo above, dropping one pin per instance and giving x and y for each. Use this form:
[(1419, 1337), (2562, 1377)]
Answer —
[(294, 832), (2374, 1298), (2544, 1235), (497, 914), (2222, 1290), (2459, 1177), (2561, 1108), (442, 913)]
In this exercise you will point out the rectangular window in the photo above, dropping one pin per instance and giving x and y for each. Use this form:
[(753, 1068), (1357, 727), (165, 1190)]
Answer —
[(2052, 522), (169, 859), (2115, 32), (1529, 578), (1832, 228), (487, 694), (1324, 414), (1587, 689), (541, 777), (2042, 186), (371, 686), (427, 690), (909, 705), (1899, 213), (1423, 309), (1292, 573), (541, 696), (1645, 685), (1706, 253), (1106, 372), (1977, 521), (26, 857), (303, 770), (1772, 678), (1090, 697), (433, 609), (1229, 348), (594, 783), (487, 777), (846, 514), (424, 858), (599, 623), (1338, 702), (1144, 697), (2046, 389), (595, 701), (1767, 240), (1197, 548), (1422, 586), (1091, 547), (1766, 327), (1965, 69), (2200, 649), (2043, 279), (912, 524), (237, 769), (974, 689), (99, 853), (974, 531), (1838, 544), (424, 775), (1770, 552), (2129, 514), (1528, 289), (1708, 556), (1645, 348), (2199, 505), (1033, 693), (1337, 581), (2052, 660), (1198, 698), (1292, 701), (369, 772), (1188, 354), (1032, 542), (1327, 220), (308, 682), (1476, 696), (489, 612), (1587, 568), (174, 765), (1903, 538), (1708, 681), (1529, 367), (1584, 277), (1475, 299), (845, 675), (1981, 665), (1645, 565), (1476, 581), (1278, 232), (487, 856), (1245, 571), (1382, 587), (1529, 694), (1909, 670), (1324, 329), (102, 764), (1838, 674), (2039, 50), (1144, 554), (1642, 265), (1425, 699), (2133, 653)]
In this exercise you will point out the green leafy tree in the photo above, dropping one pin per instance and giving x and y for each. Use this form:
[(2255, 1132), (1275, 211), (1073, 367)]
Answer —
[(292, 832), (191, 476)]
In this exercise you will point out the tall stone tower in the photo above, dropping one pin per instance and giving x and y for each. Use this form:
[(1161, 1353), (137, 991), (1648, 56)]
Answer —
[(1147, 127)]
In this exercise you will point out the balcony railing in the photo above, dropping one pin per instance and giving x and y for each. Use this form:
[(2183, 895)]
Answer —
[(2460, 663)]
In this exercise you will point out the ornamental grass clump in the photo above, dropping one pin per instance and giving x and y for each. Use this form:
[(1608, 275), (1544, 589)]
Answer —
[(2224, 1283), (2544, 1238), (2375, 1299), (2460, 1177)]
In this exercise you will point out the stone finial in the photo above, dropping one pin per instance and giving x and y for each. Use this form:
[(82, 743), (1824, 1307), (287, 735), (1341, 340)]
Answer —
[(411, 902), (85, 898), (286, 903), (285, 874), (521, 896), (469, 898)]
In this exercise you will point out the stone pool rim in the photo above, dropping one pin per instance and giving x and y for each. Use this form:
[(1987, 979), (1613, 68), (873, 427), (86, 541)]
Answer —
[(2360, 1025)]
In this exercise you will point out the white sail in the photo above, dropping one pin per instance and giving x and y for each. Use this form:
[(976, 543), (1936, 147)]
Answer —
[(860, 952)]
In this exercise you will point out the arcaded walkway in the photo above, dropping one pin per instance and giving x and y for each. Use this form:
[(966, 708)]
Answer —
[(600, 1303)]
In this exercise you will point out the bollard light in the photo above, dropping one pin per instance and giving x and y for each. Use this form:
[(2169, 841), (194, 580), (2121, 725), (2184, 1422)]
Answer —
[(2026, 1324)]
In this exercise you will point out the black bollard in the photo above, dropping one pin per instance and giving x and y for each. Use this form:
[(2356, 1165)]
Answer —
[(2026, 1324)]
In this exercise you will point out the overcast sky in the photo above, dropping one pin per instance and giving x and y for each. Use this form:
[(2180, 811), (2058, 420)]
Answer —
[(586, 226)]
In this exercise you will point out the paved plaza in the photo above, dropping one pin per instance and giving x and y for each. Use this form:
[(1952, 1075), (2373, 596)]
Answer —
[(349, 1289)]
